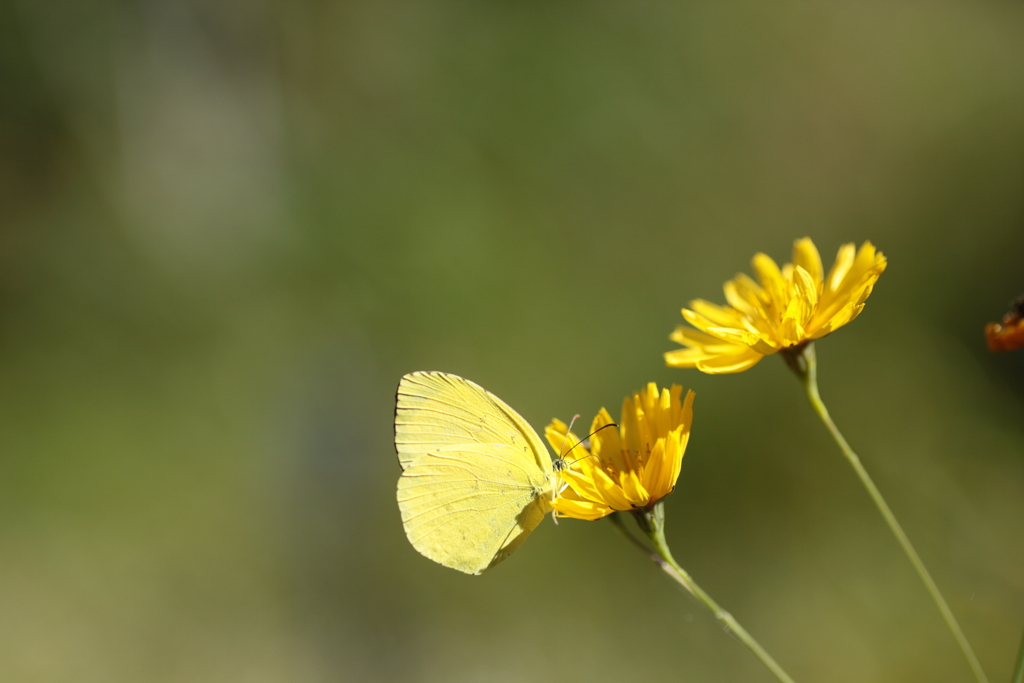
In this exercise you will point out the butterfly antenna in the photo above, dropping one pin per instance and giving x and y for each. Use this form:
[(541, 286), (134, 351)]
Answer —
[(587, 438), (559, 461), (565, 437)]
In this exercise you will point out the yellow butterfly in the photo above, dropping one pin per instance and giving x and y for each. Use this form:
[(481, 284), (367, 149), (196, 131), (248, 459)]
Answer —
[(476, 478)]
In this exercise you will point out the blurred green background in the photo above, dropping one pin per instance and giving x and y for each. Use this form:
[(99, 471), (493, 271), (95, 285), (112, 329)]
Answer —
[(227, 229)]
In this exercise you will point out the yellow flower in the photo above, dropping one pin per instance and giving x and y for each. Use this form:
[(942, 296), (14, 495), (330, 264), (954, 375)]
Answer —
[(787, 308), (627, 468)]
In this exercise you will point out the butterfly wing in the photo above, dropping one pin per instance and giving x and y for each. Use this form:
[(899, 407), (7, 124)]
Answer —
[(476, 477)]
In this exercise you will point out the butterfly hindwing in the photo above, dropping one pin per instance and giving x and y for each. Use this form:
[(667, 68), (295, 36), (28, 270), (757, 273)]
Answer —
[(469, 507)]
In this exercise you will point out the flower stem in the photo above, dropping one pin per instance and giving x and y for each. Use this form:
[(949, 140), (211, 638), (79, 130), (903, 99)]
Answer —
[(1018, 671), (803, 362), (652, 522)]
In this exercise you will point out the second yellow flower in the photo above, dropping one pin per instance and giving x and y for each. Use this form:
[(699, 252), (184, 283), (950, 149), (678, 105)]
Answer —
[(784, 308)]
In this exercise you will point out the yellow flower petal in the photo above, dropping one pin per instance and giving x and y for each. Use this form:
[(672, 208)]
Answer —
[(733, 363), (597, 487), (801, 306), (605, 442), (634, 489), (791, 332), (703, 324), (561, 442), (742, 302), (806, 289), (676, 460), (858, 278), (629, 426), (581, 509), (743, 338), (719, 315), (610, 491), (656, 473), (771, 279), (846, 314), (685, 358), (844, 259), (806, 255), (762, 317), (704, 342), (691, 358)]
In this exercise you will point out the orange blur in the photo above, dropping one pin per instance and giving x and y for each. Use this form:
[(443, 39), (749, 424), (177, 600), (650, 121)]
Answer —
[(1007, 335)]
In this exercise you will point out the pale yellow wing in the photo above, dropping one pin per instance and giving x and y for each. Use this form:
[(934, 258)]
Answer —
[(470, 506), (437, 409), (476, 479)]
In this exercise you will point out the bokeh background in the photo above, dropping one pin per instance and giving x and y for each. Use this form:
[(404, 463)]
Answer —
[(228, 228)]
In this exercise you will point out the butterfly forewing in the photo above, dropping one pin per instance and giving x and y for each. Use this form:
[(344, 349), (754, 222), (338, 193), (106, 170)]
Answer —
[(437, 409)]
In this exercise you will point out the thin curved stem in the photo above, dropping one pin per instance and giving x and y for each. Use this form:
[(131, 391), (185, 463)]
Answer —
[(804, 364), (652, 522), (1018, 671)]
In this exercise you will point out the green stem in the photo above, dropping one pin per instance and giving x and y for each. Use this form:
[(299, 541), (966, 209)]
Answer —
[(803, 362), (1018, 671), (652, 522)]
